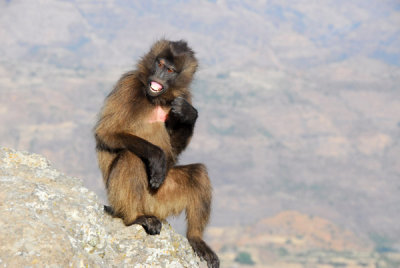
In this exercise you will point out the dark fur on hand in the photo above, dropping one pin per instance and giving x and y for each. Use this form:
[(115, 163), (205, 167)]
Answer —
[(151, 224), (156, 165), (204, 252), (183, 112)]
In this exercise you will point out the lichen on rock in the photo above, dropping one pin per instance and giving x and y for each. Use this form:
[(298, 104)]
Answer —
[(50, 219)]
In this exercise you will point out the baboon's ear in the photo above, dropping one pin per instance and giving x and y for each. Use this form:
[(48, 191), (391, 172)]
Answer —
[(178, 48)]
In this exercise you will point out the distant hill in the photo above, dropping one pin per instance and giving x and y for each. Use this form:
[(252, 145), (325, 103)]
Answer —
[(293, 239)]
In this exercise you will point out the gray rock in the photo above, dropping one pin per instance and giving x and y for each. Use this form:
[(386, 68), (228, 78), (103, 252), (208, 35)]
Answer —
[(48, 219)]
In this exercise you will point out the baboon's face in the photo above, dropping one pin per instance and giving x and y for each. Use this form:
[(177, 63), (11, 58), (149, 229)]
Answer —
[(163, 75), (167, 70)]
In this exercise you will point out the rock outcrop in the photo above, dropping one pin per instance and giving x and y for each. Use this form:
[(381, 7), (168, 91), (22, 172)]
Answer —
[(48, 219)]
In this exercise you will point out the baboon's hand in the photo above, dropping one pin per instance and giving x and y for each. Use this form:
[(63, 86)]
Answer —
[(157, 169), (183, 111)]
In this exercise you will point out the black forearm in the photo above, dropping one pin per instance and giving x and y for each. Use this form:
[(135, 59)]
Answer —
[(152, 156), (139, 146), (123, 141), (180, 123), (179, 135)]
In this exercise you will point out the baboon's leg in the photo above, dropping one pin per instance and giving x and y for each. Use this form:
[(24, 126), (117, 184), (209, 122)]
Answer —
[(185, 187), (199, 199), (189, 187), (126, 187)]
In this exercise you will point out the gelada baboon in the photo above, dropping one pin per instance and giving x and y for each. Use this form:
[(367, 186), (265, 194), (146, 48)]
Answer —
[(146, 122)]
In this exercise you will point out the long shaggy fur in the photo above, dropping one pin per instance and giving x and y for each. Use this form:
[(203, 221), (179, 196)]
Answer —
[(124, 126)]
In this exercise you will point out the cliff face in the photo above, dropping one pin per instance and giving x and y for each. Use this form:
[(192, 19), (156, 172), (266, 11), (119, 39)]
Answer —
[(50, 219)]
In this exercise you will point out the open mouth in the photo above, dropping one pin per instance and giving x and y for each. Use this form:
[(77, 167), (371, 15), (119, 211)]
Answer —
[(156, 87)]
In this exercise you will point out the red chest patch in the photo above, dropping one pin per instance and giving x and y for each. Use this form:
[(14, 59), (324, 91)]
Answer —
[(158, 115)]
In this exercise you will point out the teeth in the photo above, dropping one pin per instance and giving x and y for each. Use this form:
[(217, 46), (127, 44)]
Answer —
[(156, 87)]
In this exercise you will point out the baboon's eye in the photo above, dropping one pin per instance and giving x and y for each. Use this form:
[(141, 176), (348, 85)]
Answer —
[(160, 64), (170, 70)]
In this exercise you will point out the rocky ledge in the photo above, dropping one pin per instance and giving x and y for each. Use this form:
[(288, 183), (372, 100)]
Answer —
[(48, 219)]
